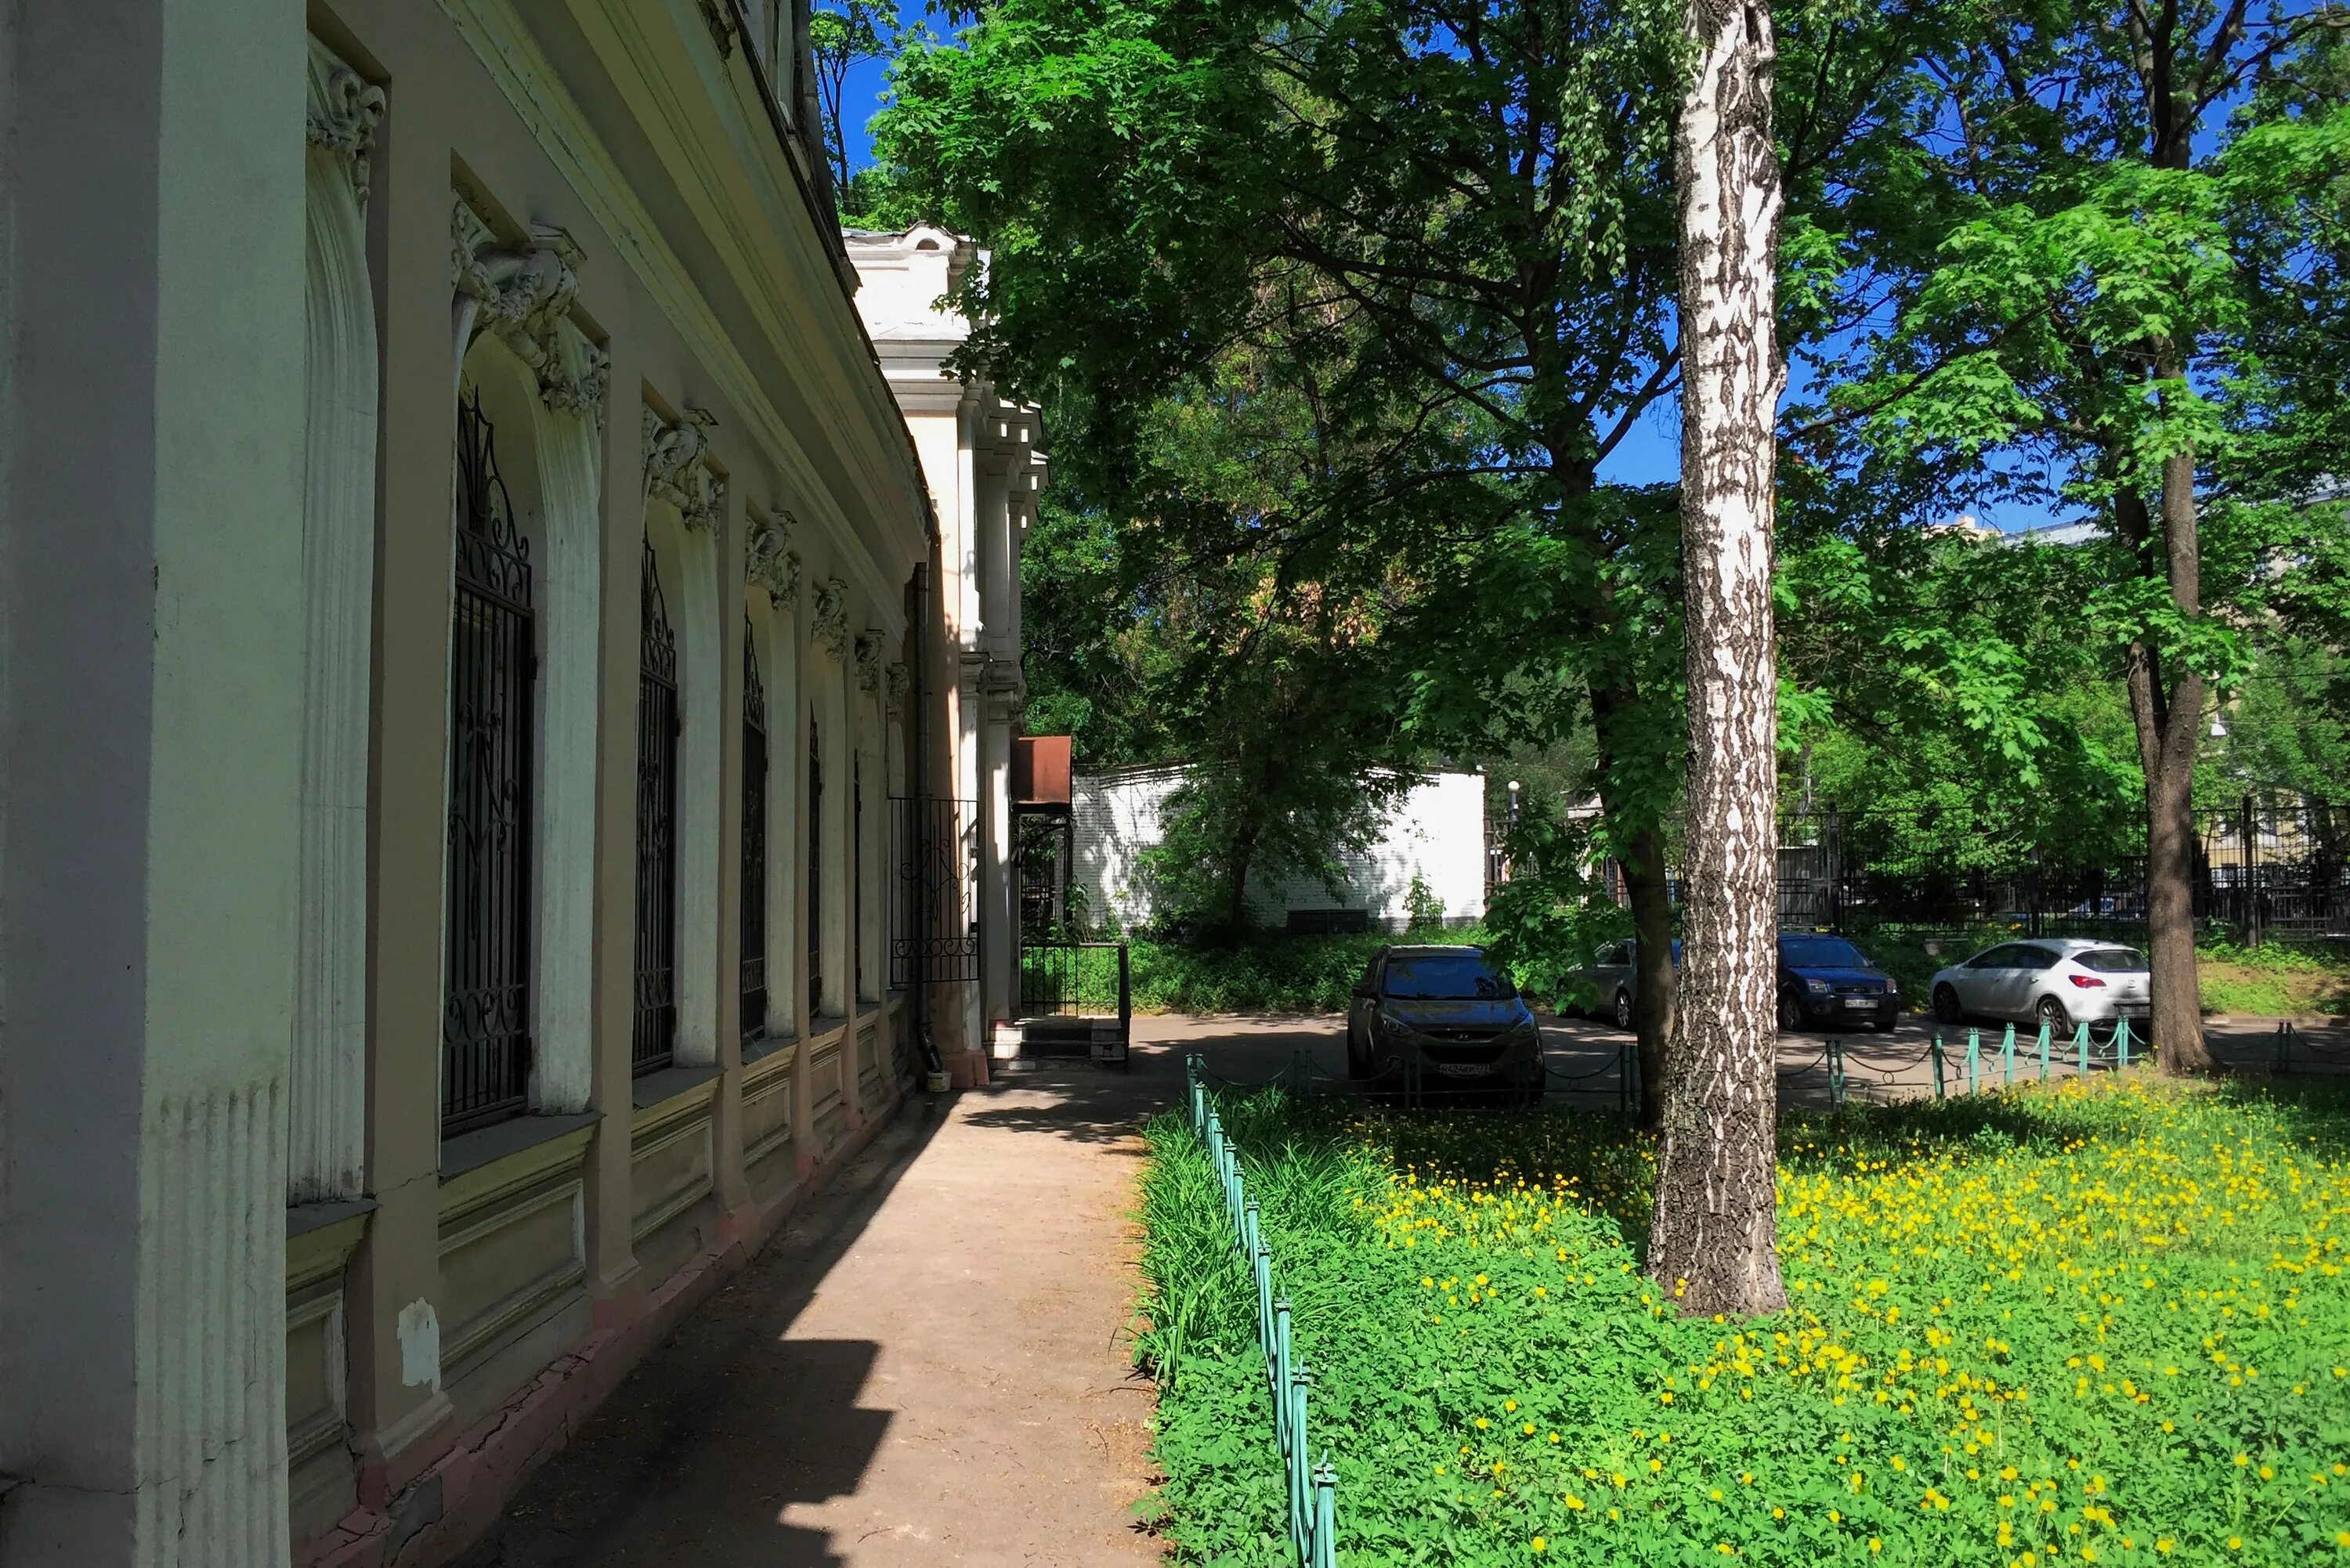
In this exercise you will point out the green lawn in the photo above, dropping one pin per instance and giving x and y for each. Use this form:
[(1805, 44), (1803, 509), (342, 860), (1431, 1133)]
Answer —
[(2101, 1323)]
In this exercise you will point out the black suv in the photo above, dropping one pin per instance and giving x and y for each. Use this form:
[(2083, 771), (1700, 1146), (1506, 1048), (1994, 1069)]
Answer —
[(1823, 979)]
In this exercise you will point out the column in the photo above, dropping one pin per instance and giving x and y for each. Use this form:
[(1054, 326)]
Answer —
[(151, 610)]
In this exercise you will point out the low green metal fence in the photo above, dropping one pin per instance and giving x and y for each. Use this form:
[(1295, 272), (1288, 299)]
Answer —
[(1313, 1488)]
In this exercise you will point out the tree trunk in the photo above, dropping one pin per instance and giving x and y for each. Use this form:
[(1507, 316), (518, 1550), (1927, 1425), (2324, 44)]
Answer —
[(1713, 1242), (2169, 717), (1654, 982)]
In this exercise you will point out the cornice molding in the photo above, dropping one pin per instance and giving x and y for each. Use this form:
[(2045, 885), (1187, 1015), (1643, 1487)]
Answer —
[(678, 468), (343, 111)]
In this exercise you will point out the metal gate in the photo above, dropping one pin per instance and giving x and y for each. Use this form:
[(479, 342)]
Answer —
[(754, 884), (933, 891), (652, 1038), (485, 1009)]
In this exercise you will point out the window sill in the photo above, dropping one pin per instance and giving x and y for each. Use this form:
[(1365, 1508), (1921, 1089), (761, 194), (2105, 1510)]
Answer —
[(765, 1045), (486, 1145), (668, 1083), (301, 1219)]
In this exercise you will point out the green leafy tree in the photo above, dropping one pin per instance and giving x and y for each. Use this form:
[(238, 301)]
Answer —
[(2057, 257), (843, 35), (1476, 197)]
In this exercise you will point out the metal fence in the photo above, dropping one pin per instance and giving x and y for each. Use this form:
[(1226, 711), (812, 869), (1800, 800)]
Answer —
[(1313, 1488), (2263, 867), (933, 891)]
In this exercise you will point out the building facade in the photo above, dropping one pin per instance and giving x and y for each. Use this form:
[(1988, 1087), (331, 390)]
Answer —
[(1430, 838), (467, 599), (981, 456)]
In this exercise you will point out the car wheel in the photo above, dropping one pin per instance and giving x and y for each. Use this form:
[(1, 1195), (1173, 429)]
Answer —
[(1791, 1013), (1946, 1005), (2053, 1013), (1623, 1008)]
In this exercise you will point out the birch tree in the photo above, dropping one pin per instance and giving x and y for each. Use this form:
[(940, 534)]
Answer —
[(1714, 1238)]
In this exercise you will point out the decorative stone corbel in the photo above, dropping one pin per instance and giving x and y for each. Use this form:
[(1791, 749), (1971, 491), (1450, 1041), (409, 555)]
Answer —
[(896, 681), (717, 16), (344, 108), (677, 467), (867, 656), (831, 620), (765, 549), (524, 297)]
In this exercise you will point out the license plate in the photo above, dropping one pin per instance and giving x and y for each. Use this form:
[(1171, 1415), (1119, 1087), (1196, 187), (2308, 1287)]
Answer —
[(1464, 1069), (1860, 1002)]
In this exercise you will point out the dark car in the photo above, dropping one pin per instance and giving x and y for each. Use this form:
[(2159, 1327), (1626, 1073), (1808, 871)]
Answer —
[(1823, 979), (1609, 982), (1448, 1006)]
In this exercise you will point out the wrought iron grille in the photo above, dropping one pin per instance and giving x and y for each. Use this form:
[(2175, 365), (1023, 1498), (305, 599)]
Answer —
[(753, 922), (485, 1007), (856, 871), (653, 1039), (933, 891), (815, 870)]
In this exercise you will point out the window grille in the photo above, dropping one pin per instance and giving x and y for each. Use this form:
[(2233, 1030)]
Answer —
[(653, 1039), (815, 870), (753, 922), (485, 1045)]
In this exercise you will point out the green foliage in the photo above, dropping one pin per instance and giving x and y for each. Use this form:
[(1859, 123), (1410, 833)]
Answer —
[(1427, 909), (841, 34), (1546, 919), (2123, 1300), (1278, 974)]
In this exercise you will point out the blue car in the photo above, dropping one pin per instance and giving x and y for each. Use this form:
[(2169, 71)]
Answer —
[(1823, 980)]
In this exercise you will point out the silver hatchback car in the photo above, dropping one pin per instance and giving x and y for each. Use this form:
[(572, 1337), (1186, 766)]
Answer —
[(2060, 980)]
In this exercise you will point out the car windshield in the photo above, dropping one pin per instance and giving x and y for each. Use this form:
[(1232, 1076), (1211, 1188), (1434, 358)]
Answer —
[(1445, 977), (1821, 952), (2112, 961)]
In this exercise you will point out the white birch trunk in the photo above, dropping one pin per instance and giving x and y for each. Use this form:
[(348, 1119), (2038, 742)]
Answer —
[(1713, 1242)]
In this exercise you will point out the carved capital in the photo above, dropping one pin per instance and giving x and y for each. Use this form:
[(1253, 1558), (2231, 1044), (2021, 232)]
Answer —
[(866, 655), (678, 470), (897, 682), (717, 16), (830, 623), (524, 295), (343, 110)]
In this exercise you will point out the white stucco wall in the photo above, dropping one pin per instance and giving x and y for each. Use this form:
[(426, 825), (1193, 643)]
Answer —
[(1436, 831)]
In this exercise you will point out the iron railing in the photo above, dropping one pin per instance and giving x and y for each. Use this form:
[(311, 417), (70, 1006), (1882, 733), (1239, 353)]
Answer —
[(933, 891), (652, 1036), (1313, 1488), (485, 1042)]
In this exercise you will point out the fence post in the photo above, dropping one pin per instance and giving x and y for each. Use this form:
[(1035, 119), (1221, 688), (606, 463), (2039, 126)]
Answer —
[(2044, 1050), (2249, 826), (2283, 1030), (1935, 1050), (1326, 1514), (1284, 1353), (1624, 1081), (1300, 1493), (2121, 1045), (2007, 1057), (1836, 1072), (1974, 1056), (2081, 1045)]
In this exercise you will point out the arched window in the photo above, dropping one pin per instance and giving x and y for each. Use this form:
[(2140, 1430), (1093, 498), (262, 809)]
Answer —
[(814, 871), (493, 654), (753, 895), (653, 1039)]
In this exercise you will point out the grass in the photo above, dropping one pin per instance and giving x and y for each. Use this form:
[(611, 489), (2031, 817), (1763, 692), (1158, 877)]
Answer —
[(2091, 1323)]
